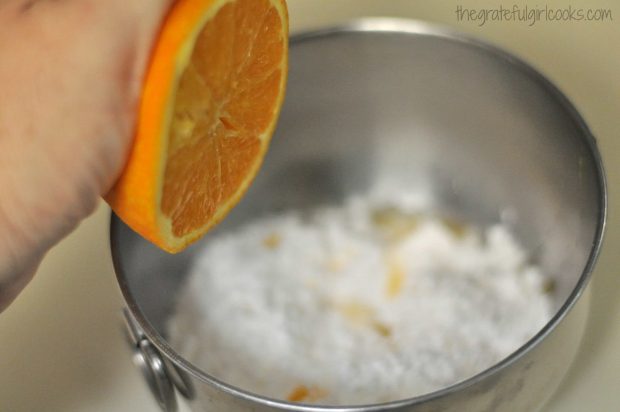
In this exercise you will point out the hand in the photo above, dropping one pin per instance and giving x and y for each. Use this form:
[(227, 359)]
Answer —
[(70, 78)]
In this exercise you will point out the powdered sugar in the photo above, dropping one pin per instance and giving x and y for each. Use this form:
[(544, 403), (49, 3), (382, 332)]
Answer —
[(357, 304)]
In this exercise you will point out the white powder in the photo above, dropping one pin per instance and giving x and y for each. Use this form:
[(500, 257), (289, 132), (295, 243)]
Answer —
[(358, 304)]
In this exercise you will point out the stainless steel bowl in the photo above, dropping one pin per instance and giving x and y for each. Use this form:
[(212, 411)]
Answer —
[(425, 108)]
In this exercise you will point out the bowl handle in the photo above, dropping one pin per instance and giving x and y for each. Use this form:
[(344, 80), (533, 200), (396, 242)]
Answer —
[(147, 358)]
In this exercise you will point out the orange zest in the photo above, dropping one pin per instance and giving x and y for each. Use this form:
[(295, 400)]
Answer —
[(303, 393), (210, 102)]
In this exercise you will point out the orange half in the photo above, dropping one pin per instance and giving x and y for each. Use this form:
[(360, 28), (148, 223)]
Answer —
[(210, 102)]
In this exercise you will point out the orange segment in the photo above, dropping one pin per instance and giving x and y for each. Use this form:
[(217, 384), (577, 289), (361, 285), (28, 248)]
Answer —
[(211, 98)]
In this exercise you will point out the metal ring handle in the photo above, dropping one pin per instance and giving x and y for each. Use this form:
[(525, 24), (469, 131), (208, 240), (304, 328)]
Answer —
[(150, 362), (153, 369), (180, 380)]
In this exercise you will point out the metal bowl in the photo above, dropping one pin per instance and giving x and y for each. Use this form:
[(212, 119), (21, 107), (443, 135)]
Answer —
[(385, 100)]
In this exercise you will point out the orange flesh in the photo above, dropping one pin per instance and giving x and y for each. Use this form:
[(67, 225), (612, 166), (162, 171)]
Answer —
[(225, 104)]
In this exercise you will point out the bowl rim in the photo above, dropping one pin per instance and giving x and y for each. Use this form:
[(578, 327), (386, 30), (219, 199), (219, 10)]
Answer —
[(418, 28)]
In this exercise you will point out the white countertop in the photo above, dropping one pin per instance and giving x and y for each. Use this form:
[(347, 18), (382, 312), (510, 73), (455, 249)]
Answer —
[(61, 342)]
